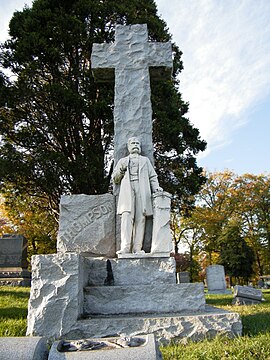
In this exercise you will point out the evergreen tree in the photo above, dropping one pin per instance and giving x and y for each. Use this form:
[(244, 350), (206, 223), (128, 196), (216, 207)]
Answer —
[(57, 123), (236, 255)]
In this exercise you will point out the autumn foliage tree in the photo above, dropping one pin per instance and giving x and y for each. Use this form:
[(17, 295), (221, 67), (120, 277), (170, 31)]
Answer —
[(232, 216)]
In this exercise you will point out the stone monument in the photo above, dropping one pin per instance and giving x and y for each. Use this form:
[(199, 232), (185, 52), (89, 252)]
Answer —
[(215, 278), (13, 261), (86, 291)]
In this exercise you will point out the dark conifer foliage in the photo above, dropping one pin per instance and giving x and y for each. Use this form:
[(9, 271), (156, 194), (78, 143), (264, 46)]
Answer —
[(56, 123)]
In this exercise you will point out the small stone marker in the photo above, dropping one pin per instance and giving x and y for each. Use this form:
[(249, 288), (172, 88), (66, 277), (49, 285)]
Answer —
[(135, 348), (246, 295), (183, 277), (13, 261), (23, 348), (215, 278)]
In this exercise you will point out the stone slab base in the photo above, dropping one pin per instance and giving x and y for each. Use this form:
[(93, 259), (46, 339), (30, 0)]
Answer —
[(138, 299), (15, 277), (238, 300), (148, 350), (15, 282), (219, 292), (23, 348), (194, 326)]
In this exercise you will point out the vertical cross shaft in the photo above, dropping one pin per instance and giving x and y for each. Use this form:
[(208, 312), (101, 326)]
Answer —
[(129, 59)]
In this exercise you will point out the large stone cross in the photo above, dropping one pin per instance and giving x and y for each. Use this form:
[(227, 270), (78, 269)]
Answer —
[(128, 60)]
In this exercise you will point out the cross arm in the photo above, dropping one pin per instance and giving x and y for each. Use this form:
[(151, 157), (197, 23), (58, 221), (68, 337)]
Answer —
[(160, 60), (101, 64)]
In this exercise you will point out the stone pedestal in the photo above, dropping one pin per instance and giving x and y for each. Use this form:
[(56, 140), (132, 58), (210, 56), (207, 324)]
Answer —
[(161, 237)]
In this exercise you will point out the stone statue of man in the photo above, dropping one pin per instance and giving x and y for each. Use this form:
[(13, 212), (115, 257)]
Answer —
[(138, 181)]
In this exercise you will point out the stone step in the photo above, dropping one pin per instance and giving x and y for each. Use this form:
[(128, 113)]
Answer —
[(143, 299), (138, 271), (195, 325)]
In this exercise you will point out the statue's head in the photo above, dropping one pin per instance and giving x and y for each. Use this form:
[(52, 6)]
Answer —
[(134, 145)]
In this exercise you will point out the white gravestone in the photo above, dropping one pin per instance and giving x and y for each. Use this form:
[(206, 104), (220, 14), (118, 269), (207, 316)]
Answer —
[(215, 277), (161, 237), (128, 60)]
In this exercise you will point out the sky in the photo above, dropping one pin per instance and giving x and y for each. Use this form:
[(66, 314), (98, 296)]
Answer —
[(226, 76)]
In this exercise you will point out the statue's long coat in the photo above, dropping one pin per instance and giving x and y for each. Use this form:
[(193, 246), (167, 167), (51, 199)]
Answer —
[(148, 183)]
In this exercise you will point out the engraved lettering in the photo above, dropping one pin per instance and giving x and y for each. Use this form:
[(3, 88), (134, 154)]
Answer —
[(90, 215), (97, 212), (103, 209)]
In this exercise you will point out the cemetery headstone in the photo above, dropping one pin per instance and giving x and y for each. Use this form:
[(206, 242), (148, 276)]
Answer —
[(246, 295), (183, 277), (215, 278), (13, 261)]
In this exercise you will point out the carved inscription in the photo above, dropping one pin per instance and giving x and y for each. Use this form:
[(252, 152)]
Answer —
[(10, 259), (89, 218)]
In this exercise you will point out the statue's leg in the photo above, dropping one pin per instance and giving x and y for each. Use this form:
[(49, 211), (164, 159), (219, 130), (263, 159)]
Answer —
[(139, 222), (126, 232), (127, 221)]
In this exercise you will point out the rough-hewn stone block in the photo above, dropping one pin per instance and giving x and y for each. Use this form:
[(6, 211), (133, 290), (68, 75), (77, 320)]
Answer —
[(142, 271), (56, 298), (163, 298), (87, 224), (194, 326)]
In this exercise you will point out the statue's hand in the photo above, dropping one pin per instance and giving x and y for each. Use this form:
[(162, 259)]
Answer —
[(123, 168)]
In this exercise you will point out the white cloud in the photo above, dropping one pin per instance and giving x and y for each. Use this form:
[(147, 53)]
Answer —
[(7, 9), (226, 54)]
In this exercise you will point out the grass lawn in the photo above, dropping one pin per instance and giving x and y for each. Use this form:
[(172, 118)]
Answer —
[(254, 344), (13, 310)]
